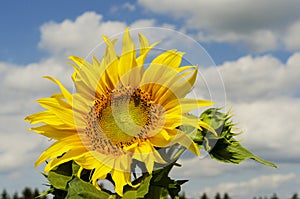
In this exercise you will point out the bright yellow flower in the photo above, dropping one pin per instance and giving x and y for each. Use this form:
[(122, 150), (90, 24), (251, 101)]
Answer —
[(121, 110)]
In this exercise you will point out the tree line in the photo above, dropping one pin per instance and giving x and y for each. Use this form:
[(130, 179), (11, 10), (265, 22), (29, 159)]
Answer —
[(28, 193), (226, 196)]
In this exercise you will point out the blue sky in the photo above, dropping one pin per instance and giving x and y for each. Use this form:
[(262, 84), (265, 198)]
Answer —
[(254, 44)]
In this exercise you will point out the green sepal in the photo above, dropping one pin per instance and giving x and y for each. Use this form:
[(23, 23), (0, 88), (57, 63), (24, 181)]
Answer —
[(231, 151), (224, 147)]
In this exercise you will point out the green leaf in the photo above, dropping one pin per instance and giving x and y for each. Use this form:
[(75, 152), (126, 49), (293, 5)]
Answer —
[(79, 189), (140, 191), (75, 168), (162, 185), (60, 176)]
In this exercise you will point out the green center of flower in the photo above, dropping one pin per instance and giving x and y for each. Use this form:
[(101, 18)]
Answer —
[(124, 118), (121, 118)]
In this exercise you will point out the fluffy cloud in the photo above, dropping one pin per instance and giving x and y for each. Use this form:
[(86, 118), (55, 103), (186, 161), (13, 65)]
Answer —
[(17, 148), (209, 168), (258, 24), (270, 126), (79, 36), (21, 86), (291, 39), (246, 189), (256, 78)]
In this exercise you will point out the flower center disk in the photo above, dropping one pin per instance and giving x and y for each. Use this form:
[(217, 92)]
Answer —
[(121, 118)]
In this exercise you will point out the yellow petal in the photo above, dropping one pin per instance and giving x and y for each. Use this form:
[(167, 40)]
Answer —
[(110, 62), (183, 139), (47, 117), (58, 148), (53, 132), (197, 123), (170, 58), (57, 107), (128, 57), (77, 60), (161, 139), (144, 43), (185, 105), (144, 49), (64, 91), (121, 177), (100, 173), (72, 154), (76, 70)]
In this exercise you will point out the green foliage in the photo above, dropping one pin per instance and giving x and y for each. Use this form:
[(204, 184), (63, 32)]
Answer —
[(15, 196), (218, 196), (86, 186), (226, 196), (274, 196), (224, 147), (4, 194), (161, 183), (60, 176), (204, 196), (78, 189), (139, 192), (295, 196), (66, 184), (27, 193)]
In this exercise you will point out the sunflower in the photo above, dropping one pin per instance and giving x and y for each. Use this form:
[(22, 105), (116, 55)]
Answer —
[(121, 110)]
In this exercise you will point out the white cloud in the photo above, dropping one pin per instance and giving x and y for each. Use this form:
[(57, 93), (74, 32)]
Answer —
[(271, 128), (257, 41), (77, 37), (209, 168), (22, 85), (246, 189), (124, 7), (17, 147), (257, 24), (83, 35), (29, 77), (291, 39), (256, 78)]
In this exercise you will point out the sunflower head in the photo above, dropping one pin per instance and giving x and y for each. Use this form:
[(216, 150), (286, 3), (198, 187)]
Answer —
[(122, 110)]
